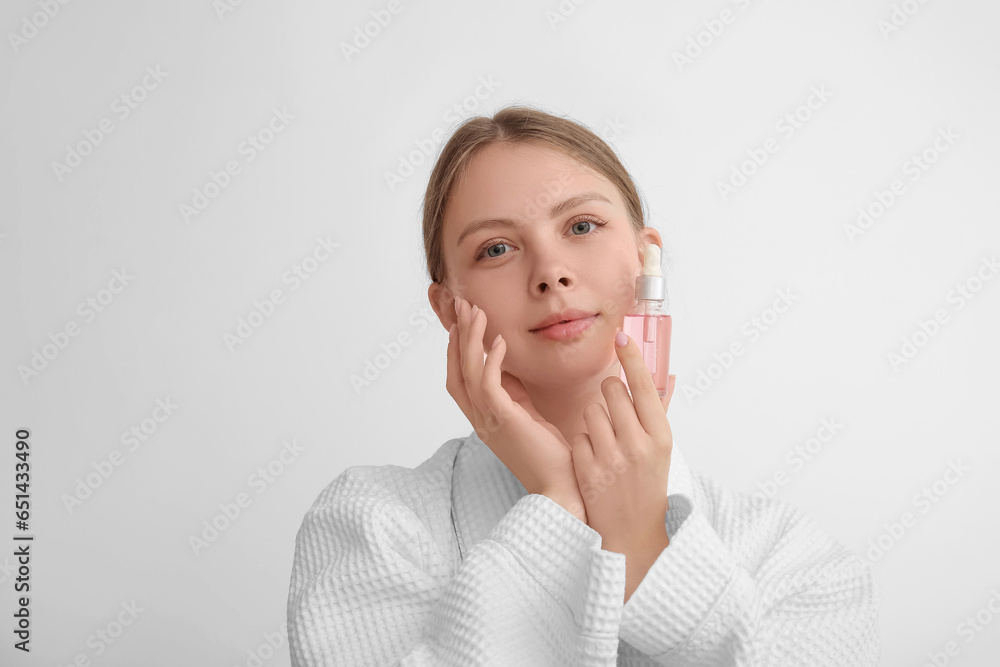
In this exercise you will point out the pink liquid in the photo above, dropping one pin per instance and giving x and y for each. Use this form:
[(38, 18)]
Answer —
[(652, 334)]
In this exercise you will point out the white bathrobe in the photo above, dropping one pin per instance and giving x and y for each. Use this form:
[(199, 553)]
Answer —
[(454, 563)]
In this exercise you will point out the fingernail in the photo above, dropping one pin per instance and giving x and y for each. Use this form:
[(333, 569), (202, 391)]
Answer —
[(451, 331), (475, 309), (621, 339), (456, 305)]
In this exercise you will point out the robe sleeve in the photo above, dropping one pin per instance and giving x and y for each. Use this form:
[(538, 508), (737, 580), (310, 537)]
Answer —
[(805, 600), (376, 582)]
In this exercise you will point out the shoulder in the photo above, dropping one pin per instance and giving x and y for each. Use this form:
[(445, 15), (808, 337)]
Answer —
[(393, 481), (373, 521), (372, 499)]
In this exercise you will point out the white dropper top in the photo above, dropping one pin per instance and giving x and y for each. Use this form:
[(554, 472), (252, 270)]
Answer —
[(651, 261), (651, 284)]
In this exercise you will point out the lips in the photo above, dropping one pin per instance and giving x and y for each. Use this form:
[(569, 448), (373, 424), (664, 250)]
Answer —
[(564, 316)]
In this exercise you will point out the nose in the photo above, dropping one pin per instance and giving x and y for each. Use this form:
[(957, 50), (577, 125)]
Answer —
[(551, 271), (544, 286)]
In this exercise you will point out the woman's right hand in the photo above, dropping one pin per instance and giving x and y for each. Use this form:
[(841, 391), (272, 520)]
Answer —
[(501, 412)]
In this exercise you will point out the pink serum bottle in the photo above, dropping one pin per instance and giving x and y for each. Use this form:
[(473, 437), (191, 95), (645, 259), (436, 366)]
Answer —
[(648, 323)]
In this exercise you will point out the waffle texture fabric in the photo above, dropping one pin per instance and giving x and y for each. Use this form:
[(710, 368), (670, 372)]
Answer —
[(454, 563)]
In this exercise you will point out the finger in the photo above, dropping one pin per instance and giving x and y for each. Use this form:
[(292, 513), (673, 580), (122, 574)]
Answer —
[(672, 380), (461, 336), (647, 401), (473, 327), (583, 452), (621, 409), (601, 433), (454, 382), (495, 397), (583, 458)]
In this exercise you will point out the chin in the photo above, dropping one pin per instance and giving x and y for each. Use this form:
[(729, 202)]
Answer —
[(590, 359)]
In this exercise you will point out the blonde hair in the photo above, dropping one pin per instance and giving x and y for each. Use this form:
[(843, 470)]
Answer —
[(516, 124)]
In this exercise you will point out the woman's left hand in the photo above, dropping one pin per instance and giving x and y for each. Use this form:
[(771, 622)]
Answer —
[(622, 462)]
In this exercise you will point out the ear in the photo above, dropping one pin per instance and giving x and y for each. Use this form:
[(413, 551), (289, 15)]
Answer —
[(646, 236), (443, 302)]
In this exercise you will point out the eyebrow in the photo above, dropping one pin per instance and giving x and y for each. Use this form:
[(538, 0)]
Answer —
[(556, 211)]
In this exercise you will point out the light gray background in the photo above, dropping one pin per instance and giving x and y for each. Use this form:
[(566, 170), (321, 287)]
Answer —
[(679, 129)]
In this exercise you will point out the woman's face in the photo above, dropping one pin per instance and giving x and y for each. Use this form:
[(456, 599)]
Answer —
[(550, 258)]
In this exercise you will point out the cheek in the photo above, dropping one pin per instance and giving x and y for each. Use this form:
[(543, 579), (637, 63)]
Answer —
[(614, 267), (497, 322), (618, 290)]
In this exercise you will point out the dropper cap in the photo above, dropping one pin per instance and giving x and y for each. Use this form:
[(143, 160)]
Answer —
[(651, 284)]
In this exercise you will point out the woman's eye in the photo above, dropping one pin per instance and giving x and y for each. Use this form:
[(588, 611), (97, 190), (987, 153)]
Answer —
[(492, 254), (489, 250)]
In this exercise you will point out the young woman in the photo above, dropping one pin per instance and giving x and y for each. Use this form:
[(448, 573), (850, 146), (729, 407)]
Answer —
[(566, 529)]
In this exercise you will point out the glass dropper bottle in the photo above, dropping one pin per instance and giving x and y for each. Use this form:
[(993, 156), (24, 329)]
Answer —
[(648, 323)]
